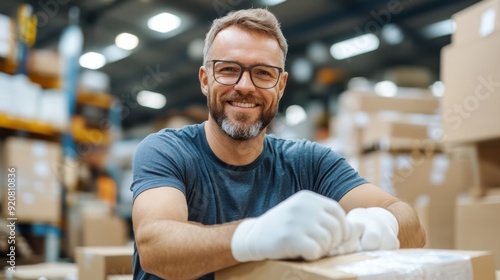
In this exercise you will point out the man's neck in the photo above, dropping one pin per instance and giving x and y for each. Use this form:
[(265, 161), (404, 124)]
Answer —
[(232, 151)]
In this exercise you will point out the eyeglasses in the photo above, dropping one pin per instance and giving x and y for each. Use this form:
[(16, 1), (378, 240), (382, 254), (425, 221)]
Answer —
[(229, 73)]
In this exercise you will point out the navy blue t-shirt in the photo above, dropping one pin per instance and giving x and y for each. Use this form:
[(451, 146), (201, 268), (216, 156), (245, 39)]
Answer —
[(217, 192)]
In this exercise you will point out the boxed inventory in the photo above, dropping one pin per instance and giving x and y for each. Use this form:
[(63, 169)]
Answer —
[(471, 75), (37, 189), (476, 22), (478, 224), (97, 263), (400, 264)]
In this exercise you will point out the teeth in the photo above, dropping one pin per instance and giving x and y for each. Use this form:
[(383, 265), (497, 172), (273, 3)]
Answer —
[(243, 105)]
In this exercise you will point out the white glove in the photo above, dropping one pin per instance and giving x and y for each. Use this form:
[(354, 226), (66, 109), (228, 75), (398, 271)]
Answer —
[(378, 231), (306, 225)]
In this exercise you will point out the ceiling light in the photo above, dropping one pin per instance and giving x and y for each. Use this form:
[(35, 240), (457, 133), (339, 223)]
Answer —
[(92, 60), (127, 41), (439, 29), (151, 99), (164, 22), (295, 114), (317, 52), (386, 88), (355, 46), (114, 53), (272, 2), (392, 34), (302, 70)]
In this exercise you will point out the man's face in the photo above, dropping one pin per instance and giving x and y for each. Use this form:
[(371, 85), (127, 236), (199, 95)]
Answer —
[(242, 110)]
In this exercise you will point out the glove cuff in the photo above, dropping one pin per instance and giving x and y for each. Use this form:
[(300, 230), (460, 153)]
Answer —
[(386, 216), (239, 242)]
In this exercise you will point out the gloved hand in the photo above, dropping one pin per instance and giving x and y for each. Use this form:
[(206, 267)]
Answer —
[(305, 225), (376, 229)]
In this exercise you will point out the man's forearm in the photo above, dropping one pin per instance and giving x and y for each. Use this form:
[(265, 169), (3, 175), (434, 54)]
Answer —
[(181, 250), (411, 233)]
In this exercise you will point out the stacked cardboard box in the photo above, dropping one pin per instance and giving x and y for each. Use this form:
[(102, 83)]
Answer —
[(98, 263), (92, 222), (471, 74), (356, 109), (401, 158), (38, 192)]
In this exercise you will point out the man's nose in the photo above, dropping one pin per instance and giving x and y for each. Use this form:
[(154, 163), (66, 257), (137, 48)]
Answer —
[(245, 83)]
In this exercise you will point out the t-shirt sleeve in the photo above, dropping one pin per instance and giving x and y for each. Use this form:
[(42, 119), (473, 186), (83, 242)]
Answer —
[(335, 176), (157, 163)]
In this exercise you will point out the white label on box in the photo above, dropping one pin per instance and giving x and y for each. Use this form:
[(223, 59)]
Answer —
[(39, 149), (41, 168), (487, 22)]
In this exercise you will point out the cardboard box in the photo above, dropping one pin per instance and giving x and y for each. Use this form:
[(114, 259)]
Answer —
[(416, 101), (97, 263), (471, 76), (478, 224), (429, 182), (485, 163), (121, 277), (49, 271), (385, 127), (38, 193), (400, 264), (104, 230), (476, 22), (44, 63)]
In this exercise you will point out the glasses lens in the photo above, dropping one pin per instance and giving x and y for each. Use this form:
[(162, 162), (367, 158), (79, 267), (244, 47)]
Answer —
[(228, 73), (265, 76)]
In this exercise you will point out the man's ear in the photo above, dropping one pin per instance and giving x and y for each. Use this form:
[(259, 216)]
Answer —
[(203, 76), (282, 84)]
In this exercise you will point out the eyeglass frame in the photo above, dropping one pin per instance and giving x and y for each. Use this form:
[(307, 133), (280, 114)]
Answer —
[(243, 68)]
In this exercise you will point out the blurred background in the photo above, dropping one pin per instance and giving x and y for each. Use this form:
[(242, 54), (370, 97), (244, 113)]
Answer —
[(405, 90)]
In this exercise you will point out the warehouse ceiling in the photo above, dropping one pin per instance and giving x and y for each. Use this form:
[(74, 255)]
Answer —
[(168, 63)]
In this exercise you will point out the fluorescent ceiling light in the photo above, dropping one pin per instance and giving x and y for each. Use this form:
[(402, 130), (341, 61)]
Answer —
[(439, 29), (114, 53), (355, 46), (272, 2), (127, 41), (92, 60), (295, 114), (386, 88), (164, 22), (151, 99)]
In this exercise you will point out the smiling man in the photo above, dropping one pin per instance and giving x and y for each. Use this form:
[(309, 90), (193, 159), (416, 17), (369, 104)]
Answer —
[(212, 195)]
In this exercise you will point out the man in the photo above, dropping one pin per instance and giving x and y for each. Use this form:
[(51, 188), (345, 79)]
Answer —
[(211, 195)]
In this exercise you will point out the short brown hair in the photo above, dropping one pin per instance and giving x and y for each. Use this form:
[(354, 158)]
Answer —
[(259, 20)]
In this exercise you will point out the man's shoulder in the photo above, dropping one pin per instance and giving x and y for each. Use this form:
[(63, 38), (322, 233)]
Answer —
[(173, 134), (290, 143), (172, 138)]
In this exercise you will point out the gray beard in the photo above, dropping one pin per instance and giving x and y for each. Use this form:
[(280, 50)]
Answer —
[(234, 130), (241, 133)]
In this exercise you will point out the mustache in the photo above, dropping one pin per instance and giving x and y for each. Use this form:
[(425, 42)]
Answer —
[(238, 97)]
